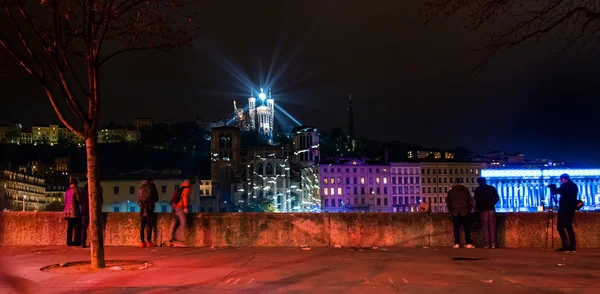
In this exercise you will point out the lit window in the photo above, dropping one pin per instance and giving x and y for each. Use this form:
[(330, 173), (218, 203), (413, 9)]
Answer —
[(385, 170), (332, 191), (377, 181), (326, 191), (385, 181), (362, 180), (339, 191), (325, 180), (332, 180)]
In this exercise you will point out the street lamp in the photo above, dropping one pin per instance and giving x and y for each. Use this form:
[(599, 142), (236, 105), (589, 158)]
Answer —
[(24, 202)]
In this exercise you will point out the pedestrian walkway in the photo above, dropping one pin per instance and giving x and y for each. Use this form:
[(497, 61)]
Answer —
[(320, 270)]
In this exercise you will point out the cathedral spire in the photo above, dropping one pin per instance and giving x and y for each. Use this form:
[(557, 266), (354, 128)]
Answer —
[(350, 118)]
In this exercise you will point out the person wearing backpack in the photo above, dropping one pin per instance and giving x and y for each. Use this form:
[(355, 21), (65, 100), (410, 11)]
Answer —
[(147, 198), (486, 197), (179, 203)]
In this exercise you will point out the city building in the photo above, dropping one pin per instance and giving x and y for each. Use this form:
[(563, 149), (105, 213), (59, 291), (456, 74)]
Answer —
[(225, 147), (420, 154), (61, 164), (22, 192), (10, 133), (167, 123), (118, 134), (268, 177), (526, 189), (437, 179), (205, 188), (120, 192), (306, 146), (310, 191), (505, 158), (26, 138), (141, 123), (45, 134), (355, 185), (51, 134), (305, 164), (405, 186)]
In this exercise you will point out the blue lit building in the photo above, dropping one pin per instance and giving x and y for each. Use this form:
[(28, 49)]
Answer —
[(526, 189)]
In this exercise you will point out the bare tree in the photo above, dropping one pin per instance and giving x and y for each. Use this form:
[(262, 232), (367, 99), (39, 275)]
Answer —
[(525, 22), (63, 44)]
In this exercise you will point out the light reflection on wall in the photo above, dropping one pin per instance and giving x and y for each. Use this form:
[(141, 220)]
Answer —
[(526, 189)]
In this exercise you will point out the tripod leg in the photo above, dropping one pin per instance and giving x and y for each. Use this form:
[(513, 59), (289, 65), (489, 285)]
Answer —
[(552, 228), (547, 226)]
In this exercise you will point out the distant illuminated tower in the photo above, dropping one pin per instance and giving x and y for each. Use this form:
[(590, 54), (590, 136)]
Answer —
[(252, 111), (265, 116)]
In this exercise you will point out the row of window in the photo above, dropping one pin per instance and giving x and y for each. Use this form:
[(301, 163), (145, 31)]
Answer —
[(436, 190), (332, 180), (412, 171), (331, 191), (448, 180), (395, 190), (407, 171), (396, 180), (354, 170), (363, 201), (395, 201), (450, 171)]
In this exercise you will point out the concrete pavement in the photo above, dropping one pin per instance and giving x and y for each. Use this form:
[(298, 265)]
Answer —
[(320, 270)]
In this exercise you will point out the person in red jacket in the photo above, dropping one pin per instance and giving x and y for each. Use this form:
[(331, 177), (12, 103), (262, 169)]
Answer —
[(180, 203)]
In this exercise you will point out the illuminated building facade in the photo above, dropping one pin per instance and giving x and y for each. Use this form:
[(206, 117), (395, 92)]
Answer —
[(268, 176), (405, 186), (225, 146), (355, 186), (306, 159), (141, 123), (437, 179), (22, 192), (526, 189)]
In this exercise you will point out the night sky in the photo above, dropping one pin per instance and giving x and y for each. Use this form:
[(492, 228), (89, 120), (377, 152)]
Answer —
[(409, 82)]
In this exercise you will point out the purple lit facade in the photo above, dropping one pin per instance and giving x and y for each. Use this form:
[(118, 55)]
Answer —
[(355, 186)]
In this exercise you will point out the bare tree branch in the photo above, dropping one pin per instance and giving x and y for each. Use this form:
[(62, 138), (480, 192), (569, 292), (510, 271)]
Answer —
[(568, 21)]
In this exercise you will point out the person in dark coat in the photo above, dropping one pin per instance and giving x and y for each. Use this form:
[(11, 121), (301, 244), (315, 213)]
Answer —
[(486, 197), (460, 205), (147, 198), (566, 211), (85, 212), (73, 213)]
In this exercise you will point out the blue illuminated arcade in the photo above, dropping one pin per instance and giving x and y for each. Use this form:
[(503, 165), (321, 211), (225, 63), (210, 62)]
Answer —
[(525, 189)]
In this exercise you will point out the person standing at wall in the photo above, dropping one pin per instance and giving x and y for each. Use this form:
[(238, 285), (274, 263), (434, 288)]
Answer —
[(73, 213), (566, 211), (460, 205), (486, 197), (147, 198), (180, 203)]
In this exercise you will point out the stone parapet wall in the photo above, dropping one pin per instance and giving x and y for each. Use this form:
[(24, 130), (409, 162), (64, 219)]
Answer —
[(296, 229)]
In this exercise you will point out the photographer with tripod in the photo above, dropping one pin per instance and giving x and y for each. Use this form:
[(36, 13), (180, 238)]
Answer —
[(566, 211)]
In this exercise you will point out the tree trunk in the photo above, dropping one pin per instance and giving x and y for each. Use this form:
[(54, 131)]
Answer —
[(96, 221)]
